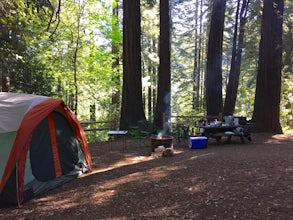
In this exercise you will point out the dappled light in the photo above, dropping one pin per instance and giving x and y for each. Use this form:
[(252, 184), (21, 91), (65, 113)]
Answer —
[(273, 141), (162, 211), (283, 137), (65, 203), (109, 188), (218, 182), (102, 197), (195, 187), (159, 106), (278, 138), (125, 162), (199, 156)]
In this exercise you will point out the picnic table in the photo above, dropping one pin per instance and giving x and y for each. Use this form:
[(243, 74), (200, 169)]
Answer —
[(222, 130)]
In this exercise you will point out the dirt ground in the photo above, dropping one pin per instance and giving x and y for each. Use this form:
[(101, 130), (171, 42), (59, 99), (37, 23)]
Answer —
[(227, 181)]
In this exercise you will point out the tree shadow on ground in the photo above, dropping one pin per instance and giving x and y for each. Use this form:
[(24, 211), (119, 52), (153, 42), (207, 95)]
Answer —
[(243, 181)]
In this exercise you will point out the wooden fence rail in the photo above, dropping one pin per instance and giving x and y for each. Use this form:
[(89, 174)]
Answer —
[(93, 126)]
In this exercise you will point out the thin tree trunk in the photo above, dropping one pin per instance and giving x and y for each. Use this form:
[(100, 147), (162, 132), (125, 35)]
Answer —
[(115, 64), (200, 60), (195, 89), (149, 102), (149, 89), (75, 56), (75, 69), (154, 91), (154, 80)]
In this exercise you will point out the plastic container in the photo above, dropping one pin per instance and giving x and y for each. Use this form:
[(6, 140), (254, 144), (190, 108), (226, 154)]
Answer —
[(198, 142)]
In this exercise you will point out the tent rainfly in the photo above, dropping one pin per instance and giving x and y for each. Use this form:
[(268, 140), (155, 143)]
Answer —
[(42, 145)]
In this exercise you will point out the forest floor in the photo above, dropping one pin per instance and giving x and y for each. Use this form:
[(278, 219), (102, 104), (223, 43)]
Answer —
[(228, 181)]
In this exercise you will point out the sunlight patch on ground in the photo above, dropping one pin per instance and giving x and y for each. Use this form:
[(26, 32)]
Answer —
[(109, 188), (127, 161), (149, 175), (273, 141), (157, 213), (289, 169), (102, 197), (202, 155), (178, 151), (283, 137), (105, 191), (279, 138), (121, 163), (195, 189), (64, 203)]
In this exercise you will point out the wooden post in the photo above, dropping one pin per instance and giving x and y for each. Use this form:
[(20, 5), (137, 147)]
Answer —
[(114, 122)]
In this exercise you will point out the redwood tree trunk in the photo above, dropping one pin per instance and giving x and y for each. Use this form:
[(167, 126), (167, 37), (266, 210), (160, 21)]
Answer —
[(214, 99), (266, 115), (132, 106), (163, 109), (232, 87)]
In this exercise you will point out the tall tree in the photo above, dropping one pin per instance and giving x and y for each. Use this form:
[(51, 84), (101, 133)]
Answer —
[(76, 51), (132, 105), (116, 55), (196, 59), (266, 115), (214, 99), (232, 87), (163, 106)]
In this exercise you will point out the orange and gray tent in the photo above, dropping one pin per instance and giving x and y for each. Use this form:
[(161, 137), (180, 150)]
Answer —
[(42, 146)]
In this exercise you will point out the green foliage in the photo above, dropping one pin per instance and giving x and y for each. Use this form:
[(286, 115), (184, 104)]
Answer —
[(149, 3), (38, 54), (20, 62), (287, 77), (92, 38), (287, 102), (188, 42)]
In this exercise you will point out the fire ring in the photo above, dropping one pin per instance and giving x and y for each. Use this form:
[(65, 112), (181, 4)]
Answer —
[(165, 140)]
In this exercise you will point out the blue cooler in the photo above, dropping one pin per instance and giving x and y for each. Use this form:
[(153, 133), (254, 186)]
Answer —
[(198, 142)]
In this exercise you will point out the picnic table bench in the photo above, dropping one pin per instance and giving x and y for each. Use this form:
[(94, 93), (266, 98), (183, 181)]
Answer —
[(219, 131)]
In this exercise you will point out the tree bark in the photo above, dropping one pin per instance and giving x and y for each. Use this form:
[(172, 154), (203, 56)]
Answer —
[(266, 115), (214, 99), (196, 73), (163, 106), (132, 107), (232, 87)]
